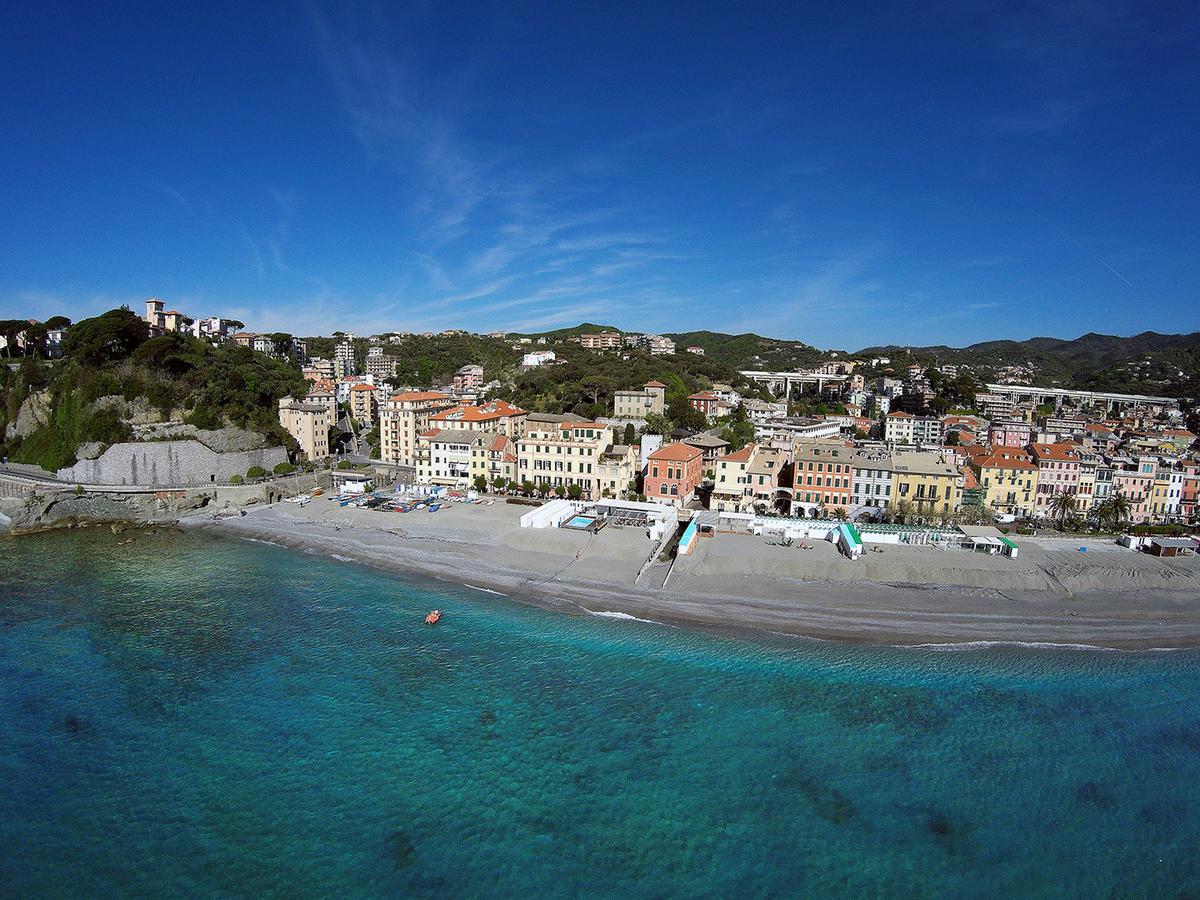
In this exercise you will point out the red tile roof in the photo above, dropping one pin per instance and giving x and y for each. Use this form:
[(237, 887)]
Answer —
[(413, 396), (654, 384), (676, 452)]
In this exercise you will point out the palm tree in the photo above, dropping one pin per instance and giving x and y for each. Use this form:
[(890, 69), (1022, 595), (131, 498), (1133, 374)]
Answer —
[(1063, 505), (839, 513), (1119, 509)]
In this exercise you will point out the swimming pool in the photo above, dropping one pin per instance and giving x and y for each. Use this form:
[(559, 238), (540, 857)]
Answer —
[(579, 522)]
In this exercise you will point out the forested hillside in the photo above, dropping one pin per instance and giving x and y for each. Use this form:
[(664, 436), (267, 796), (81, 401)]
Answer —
[(110, 367)]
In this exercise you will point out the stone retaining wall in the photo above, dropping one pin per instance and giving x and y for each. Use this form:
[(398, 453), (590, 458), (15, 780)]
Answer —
[(168, 463)]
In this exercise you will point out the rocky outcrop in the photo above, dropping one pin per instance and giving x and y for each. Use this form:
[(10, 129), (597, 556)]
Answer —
[(60, 509), (138, 411), (34, 413)]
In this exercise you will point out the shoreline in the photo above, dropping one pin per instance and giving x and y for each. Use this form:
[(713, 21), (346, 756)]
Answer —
[(870, 612)]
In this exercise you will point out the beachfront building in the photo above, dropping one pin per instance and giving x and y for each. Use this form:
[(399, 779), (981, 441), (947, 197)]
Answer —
[(927, 482), (673, 473), (1058, 473), (652, 398), (496, 415), (494, 456), (898, 428), (362, 404), (1009, 477), (1134, 479), (308, 423), (822, 477), (553, 454), (617, 469), (444, 456), (402, 418), (749, 478), (731, 491), (871, 485)]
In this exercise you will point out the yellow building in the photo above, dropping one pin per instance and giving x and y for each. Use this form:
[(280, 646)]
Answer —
[(929, 483), (494, 456), (617, 469), (362, 404), (402, 418), (1009, 478), (308, 423), (563, 453)]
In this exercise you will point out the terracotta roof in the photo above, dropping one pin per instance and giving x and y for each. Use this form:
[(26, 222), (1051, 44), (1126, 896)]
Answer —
[(654, 384), (363, 387), (970, 482), (703, 395), (1005, 458), (1060, 452), (676, 451), (742, 455), (900, 415), (497, 409)]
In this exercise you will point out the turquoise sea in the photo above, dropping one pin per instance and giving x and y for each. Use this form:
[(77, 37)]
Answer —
[(193, 716)]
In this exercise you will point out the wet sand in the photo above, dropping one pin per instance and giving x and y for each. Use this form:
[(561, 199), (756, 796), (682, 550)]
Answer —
[(1108, 597)]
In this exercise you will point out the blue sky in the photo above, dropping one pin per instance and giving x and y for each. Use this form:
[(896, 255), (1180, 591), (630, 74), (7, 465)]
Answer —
[(945, 173)]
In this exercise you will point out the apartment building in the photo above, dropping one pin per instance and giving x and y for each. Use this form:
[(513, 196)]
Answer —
[(402, 418), (1134, 478), (381, 366), (617, 469), (495, 415), (604, 340), (444, 456), (1009, 478), (1058, 472), (898, 428), (708, 403), (563, 453), (659, 346), (731, 489), (926, 481), (673, 474), (871, 485), (326, 399), (363, 404), (652, 398), (1010, 434), (494, 456), (822, 476), (308, 423), (468, 378), (748, 477)]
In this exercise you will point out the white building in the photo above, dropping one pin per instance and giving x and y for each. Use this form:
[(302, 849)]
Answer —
[(537, 358)]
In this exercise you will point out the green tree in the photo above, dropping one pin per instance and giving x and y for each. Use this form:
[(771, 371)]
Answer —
[(107, 338), (630, 433), (1062, 506), (284, 468), (481, 483), (574, 491)]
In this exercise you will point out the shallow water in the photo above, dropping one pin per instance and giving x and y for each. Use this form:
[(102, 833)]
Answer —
[(189, 714)]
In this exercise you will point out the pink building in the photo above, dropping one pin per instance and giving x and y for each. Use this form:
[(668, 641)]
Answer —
[(1010, 434), (673, 472), (1058, 471), (1136, 482)]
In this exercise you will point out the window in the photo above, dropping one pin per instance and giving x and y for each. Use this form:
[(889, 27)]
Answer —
[(662, 488)]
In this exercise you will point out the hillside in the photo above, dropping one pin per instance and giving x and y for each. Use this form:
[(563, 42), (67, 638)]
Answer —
[(750, 351), (113, 378), (1149, 362)]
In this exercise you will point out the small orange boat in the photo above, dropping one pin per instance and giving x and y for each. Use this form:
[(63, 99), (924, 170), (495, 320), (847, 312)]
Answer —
[(434, 617)]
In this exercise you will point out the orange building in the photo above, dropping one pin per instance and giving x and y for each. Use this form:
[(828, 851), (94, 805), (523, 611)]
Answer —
[(673, 472)]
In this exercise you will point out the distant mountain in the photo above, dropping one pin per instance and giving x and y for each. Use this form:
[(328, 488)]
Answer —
[(1144, 363)]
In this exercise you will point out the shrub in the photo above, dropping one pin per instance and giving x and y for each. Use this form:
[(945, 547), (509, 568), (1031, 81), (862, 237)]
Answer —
[(236, 479), (343, 465), (284, 468), (256, 472)]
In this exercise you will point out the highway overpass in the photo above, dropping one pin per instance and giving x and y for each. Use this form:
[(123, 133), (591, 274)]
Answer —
[(1019, 393), (780, 383)]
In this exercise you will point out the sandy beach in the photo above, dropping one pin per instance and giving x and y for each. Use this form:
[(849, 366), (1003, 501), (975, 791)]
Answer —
[(1051, 593)]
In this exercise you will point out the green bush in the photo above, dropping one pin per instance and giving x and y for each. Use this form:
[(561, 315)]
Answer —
[(284, 468), (256, 472), (343, 465), (236, 479)]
